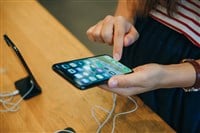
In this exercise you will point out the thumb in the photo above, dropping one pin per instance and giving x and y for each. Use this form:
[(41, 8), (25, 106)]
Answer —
[(131, 36), (125, 81)]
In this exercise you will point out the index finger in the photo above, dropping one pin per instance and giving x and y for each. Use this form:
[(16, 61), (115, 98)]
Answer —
[(119, 33)]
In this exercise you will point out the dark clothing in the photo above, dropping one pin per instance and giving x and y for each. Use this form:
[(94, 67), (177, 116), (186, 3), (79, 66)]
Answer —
[(160, 44)]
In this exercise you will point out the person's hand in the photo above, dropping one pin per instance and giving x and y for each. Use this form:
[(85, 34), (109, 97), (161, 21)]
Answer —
[(144, 78), (116, 31)]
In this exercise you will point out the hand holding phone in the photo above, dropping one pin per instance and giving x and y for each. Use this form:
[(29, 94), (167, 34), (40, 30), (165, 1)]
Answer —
[(89, 72)]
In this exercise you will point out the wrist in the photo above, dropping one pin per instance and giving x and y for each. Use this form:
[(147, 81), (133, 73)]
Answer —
[(128, 17), (127, 9), (178, 75)]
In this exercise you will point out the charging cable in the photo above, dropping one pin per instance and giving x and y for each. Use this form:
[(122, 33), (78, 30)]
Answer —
[(101, 125), (2, 95), (6, 99), (110, 113)]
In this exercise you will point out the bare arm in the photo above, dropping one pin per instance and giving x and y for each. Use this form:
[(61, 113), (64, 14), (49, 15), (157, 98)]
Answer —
[(129, 8), (153, 76), (179, 75), (119, 31)]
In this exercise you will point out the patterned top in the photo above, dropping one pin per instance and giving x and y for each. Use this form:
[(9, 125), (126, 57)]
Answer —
[(185, 21)]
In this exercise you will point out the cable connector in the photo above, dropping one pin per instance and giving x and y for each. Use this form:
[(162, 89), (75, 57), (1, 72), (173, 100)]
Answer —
[(16, 92)]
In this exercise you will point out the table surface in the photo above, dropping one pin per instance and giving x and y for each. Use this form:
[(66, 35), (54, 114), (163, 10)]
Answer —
[(43, 41)]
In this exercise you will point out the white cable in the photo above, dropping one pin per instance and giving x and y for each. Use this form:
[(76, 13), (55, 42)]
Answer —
[(14, 106), (94, 115), (123, 113), (16, 92), (6, 98), (6, 102), (111, 112)]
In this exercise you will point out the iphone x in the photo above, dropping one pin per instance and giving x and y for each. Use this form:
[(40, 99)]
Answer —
[(91, 71)]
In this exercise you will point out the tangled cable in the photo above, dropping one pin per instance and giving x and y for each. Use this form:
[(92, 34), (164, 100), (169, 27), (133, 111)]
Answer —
[(101, 125), (6, 99)]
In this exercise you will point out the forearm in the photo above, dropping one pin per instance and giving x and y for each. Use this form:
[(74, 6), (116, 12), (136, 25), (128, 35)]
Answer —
[(127, 8), (178, 75)]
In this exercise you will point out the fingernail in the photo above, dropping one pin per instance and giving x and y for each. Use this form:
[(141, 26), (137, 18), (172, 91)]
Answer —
[(116, 57), (113, 83)]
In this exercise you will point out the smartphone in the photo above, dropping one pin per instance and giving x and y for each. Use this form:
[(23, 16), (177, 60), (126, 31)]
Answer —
[(91, 71)]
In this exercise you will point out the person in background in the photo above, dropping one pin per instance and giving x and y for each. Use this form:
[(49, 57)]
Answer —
[(160, 40)]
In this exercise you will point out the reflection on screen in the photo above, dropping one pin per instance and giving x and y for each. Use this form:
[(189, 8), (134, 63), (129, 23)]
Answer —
[(88, 70)]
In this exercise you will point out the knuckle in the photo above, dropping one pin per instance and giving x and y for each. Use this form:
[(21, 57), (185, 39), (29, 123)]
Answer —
[(106, 37), (89, 31), (108, 18), (96, 34)]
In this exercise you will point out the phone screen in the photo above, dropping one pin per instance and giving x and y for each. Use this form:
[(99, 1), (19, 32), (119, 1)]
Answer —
[(88, 72)]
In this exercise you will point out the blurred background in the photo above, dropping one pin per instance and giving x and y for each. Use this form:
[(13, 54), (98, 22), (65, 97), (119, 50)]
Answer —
[(78, 15)]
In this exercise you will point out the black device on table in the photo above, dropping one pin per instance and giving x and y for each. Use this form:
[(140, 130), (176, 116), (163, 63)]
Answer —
[(91, 71), (24, 84)]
